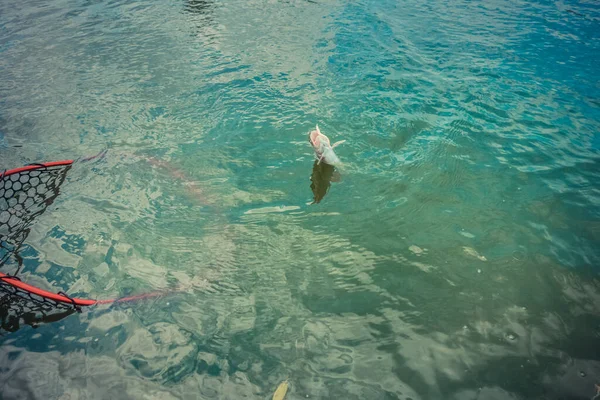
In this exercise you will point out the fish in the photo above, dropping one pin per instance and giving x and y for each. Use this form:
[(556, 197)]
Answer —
[(473, 253), (192, 187), (96, 156), (323, 148)]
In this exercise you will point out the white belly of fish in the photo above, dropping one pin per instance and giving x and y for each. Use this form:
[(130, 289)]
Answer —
[(328, 156)]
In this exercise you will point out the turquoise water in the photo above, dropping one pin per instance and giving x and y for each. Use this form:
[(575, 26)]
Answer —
[(453, 255)]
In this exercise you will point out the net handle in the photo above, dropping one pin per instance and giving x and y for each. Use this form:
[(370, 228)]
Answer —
[(10, 280), (35, 166)]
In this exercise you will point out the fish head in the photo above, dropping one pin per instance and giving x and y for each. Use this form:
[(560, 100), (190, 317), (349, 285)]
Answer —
[(318, 141), (313, 138)]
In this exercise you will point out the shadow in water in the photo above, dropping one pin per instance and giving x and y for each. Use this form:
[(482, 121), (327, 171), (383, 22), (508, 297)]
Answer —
[(200, 13), (321, 178), (201, 7)]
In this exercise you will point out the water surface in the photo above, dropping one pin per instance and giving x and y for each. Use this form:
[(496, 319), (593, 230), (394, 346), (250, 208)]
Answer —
[(453, 255)]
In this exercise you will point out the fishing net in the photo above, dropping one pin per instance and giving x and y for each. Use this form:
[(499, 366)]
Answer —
[(18, 307), (25, 193)]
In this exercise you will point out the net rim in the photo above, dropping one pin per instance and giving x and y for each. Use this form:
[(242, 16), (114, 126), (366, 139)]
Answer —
[(60, 298), (32, 167), (15, 282)]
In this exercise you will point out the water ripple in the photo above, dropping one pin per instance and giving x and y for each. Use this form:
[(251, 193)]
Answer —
[(454, 253)]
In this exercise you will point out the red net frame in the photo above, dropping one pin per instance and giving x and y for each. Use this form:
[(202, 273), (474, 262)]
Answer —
[(25, 193)]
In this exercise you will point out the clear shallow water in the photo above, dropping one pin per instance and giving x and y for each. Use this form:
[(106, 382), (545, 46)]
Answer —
[(455, 255)]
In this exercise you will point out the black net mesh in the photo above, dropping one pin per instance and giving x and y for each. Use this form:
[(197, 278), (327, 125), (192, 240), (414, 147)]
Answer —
[(24, 196), (18, 308)]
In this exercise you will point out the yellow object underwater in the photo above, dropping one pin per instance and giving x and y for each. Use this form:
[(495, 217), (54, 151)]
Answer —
[(281, 391)]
